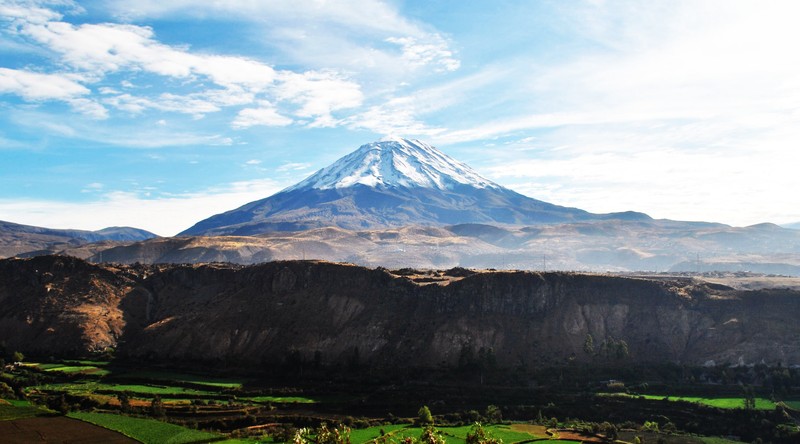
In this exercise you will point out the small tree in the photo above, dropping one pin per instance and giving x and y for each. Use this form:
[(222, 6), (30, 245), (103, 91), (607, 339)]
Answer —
[(424, 416), (650, 426), (17, 357), (493, 414), (622, 349), (157, 407), (124, 402), (477, 435), (749, 401), (431, 436), (608, 430), (588, 344)]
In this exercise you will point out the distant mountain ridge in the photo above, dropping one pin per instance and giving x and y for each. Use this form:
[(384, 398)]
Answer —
[(28, 239), (390, 183)]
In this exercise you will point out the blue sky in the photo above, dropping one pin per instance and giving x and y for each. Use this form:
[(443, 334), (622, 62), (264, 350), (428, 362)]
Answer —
[(157, 114)]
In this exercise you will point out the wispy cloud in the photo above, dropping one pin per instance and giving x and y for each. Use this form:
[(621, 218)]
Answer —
[(435, 52), (264, 115), (94, 51), (296, 166), (681, 109), (324, 34), (129, 134), (35, 87)]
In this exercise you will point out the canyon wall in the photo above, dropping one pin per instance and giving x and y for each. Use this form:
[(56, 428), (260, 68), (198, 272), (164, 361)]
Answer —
[(333, 313)]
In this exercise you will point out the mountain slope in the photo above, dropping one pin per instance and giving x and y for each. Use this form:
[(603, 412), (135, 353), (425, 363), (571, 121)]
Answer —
[(16, 239), (392, 182), (610, 245)]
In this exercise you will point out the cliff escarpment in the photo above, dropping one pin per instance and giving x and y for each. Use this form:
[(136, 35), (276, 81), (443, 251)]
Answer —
[(335, 313)]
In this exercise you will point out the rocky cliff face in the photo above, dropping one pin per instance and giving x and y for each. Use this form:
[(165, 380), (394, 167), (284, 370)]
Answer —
[(60, 306), (333, 313)]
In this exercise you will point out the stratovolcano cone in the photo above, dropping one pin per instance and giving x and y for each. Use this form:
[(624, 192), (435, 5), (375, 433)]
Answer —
[(392, 182)]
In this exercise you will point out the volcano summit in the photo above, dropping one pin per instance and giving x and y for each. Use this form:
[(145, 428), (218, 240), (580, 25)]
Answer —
[(389, 183)]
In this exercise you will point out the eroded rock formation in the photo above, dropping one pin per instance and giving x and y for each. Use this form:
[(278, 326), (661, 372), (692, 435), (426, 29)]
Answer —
[(330, 313)]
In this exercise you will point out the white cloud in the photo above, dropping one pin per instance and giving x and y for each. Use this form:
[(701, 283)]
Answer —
[(35, 86), (325, 34), (264, 115), (89, 107), (319, 94), (174, 213), (434, 52), (97, 50), (693, 173), (134, 135), (103, 48), (192, 104), (397, 116), (30, 11), (295, 166), (686, 110)]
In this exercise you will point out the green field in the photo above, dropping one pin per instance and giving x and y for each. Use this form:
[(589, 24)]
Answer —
[(136, 389), (793, 404), (279, 399), (146, 430), (12, 409), (222, 383), (723, 403), (363, 435), (714, 440), (87, 367), (453, 435)]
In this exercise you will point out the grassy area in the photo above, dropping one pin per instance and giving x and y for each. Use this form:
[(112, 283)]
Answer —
[(279, 399), (146, 430), (714, 440), (453, 435), (222, 383), (793, 404), (87, 367), (136, 389), (19, 402), (10, 410), (358, 436), (723, 403)]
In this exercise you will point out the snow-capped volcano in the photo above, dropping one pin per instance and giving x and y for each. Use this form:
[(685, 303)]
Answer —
[(395, 162), (392, 182)]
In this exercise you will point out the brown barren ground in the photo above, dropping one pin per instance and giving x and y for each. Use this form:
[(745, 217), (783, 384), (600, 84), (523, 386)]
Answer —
[(58, 429)]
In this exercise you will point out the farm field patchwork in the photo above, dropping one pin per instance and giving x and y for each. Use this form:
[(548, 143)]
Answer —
[(170, 405), (146, 430)]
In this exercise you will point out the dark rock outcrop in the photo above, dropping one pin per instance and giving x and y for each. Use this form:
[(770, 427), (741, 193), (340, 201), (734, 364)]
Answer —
[(330, 312)]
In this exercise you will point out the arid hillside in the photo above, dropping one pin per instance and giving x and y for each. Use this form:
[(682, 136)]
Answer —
[(598, 246), (331, 313)]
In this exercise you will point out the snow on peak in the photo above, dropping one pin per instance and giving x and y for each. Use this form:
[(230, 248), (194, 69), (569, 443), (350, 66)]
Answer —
[(395, 162)]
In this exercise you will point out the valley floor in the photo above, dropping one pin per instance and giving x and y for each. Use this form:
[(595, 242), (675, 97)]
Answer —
[(112, 401)]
